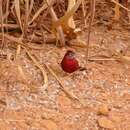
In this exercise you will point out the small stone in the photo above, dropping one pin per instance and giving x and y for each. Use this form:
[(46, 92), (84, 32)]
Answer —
[(50, 125), (126, 96), (105, 123), (103, 109)]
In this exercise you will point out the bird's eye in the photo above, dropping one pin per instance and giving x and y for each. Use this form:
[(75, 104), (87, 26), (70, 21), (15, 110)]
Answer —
[(71, 55)]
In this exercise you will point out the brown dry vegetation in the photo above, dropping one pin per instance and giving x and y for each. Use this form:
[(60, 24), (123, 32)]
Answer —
[(35, 93)]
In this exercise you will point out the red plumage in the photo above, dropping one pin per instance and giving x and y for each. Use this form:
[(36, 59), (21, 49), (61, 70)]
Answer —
[(69, 63)]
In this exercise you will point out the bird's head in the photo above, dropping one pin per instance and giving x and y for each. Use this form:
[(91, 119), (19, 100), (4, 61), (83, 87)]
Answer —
[(70, 54)]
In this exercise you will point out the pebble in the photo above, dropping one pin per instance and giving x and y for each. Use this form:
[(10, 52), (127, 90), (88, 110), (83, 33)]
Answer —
[(105, 122), (103, 109)]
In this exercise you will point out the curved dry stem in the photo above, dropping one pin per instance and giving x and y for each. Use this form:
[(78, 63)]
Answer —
[(71, 23), (39, 66), (68, 94), (59, 29)]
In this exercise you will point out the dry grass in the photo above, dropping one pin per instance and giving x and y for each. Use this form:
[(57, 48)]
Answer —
[(31, 81)]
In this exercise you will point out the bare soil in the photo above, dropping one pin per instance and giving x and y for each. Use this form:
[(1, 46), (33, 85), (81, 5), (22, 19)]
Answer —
[(103, 90)]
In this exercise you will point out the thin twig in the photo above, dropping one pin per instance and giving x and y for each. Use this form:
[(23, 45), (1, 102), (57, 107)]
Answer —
[(59, 29), (69, 95), (121, 5), (39, 66), (7, 10), (1, 22), (84, 12), (10, 26), (92, 7), (102, 59)]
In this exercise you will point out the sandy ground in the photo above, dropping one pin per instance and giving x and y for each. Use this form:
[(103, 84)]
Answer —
[(102, 91)]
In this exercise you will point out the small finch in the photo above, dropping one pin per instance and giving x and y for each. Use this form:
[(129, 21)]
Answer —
[(69, 63)]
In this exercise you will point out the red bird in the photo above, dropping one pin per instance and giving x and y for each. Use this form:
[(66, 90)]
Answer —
[(69, 63)]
